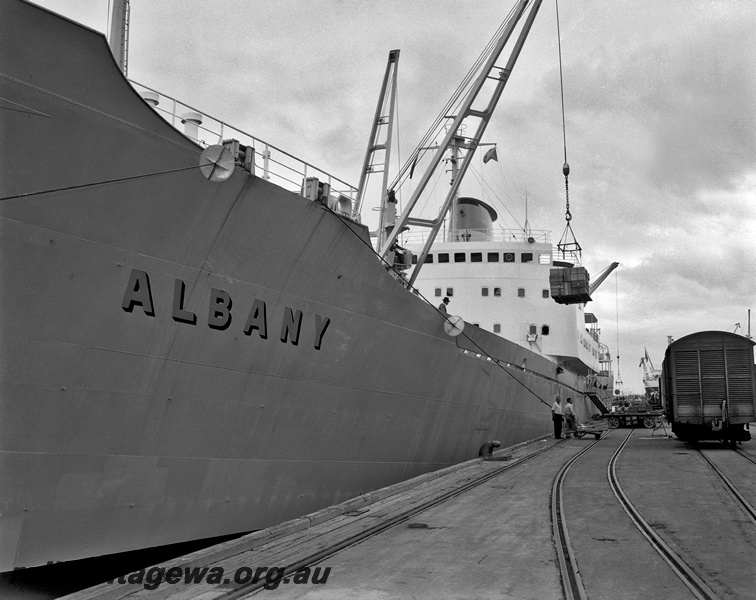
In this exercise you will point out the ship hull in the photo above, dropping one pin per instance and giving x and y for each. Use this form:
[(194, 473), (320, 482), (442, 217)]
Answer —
[(184, 359)]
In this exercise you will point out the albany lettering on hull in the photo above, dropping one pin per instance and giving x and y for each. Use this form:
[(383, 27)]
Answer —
[(139, 293)]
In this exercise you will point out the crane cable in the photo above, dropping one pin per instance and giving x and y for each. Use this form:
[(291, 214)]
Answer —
[(566, 167), (565, 246)]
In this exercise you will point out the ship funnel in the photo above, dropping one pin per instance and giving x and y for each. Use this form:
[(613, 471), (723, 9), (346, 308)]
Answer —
[(192, 121), (473, 221)]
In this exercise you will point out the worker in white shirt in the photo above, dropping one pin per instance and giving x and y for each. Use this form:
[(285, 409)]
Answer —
[(569, 418), (556, 416)]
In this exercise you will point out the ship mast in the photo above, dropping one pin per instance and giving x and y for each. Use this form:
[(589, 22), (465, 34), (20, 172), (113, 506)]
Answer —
[(454, 138), (383, 120), (119, 33)]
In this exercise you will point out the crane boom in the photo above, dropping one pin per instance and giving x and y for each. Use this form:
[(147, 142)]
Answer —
[(465, 145), (601, 277)]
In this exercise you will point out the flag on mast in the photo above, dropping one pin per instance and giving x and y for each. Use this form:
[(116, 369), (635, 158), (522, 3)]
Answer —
[(414, 164), (490, 155)]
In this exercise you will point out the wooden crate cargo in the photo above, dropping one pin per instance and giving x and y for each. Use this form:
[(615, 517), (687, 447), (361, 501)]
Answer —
[(569, 285)]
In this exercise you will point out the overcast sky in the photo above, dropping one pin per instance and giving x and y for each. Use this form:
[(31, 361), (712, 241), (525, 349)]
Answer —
[(661, 124)]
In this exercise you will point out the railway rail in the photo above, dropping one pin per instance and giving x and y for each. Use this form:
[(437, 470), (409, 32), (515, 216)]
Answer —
[(249, 589), (569, 568), (747, 455), (691, 580), (739, 498), (676, 550)]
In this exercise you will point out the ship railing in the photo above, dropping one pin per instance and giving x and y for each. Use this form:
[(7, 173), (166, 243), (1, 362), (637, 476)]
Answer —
[(417, 238), (271, 163)]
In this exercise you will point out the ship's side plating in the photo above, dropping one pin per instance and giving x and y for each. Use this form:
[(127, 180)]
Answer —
[(183, 359)]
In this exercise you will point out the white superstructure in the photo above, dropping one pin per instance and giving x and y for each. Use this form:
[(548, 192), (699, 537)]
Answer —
[(500, 281)]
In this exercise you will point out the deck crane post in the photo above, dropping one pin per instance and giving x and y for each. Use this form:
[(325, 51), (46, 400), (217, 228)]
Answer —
[(383, 119), (454, 136)]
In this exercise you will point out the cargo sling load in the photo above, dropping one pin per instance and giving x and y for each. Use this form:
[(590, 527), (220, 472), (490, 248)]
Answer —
[(569, 285)]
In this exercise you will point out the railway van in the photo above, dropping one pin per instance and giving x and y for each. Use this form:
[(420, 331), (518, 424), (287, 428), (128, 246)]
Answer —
[(708, 386)]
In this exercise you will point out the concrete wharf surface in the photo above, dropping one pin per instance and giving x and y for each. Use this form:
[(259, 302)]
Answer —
[(452, 535)]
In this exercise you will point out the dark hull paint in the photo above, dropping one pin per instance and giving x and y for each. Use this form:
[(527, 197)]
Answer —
[(120, 430)]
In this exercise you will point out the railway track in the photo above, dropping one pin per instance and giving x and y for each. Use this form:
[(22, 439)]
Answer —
[(315, 558), (571, 580), (692, 581), (572, 583), (747, 455), (740, 500)]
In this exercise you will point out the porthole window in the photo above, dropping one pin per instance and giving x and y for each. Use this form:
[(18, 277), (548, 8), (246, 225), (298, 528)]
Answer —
[(497, 327), (484, 292), (521, 292), (437, 291), (545, 293), (497, 291), (450, 292)]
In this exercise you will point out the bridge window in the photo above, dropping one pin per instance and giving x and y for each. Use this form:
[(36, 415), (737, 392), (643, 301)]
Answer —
[(526, 257), (493, 257), (476, 257), (443, 257), (429, 259), (459, 257)]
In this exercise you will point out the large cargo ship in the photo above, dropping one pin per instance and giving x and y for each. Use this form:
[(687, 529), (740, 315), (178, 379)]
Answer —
[(185, 355)]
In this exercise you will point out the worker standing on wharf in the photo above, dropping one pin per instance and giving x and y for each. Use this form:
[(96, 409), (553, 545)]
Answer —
[(569, 417), (556, 416)]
